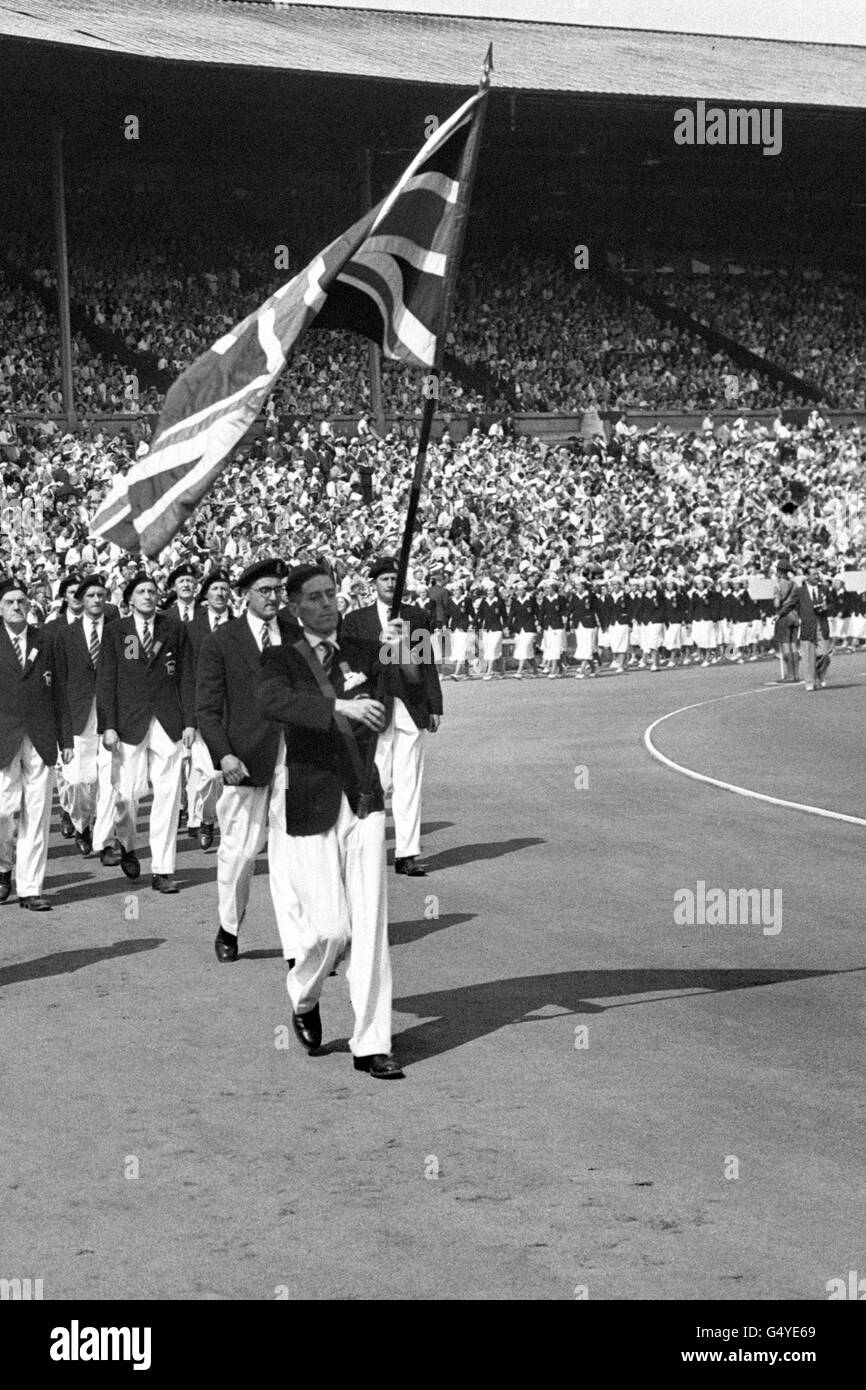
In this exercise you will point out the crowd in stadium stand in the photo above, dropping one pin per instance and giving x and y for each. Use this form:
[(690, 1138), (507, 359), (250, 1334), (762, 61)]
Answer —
[(529, 331), (667, 511), (809, 322)]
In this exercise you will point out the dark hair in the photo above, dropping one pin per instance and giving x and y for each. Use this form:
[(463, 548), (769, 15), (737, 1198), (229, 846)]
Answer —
[(298, 577)]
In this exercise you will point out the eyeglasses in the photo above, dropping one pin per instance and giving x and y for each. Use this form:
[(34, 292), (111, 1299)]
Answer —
[(269, 593)]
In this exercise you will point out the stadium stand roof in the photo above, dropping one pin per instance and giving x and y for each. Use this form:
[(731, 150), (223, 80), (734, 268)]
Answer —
[(446, 50)]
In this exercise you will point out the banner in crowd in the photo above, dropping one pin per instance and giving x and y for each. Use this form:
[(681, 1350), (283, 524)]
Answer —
[(389, 277)]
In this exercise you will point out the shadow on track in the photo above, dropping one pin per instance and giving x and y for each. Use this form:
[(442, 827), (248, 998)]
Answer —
[(458, 1016), (64, 962)]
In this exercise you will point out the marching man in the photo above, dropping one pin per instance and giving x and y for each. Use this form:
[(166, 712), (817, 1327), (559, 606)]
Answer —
[(89, 774), (332, 854), (31, 727), (413, 704), (145, 713), (248, 750)]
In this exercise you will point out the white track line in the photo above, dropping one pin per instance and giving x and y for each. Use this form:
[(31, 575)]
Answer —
[(732, 786)]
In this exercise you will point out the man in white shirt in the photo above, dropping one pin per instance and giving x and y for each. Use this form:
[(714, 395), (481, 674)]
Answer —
[(89, 774), (248, 750), (205, 782)]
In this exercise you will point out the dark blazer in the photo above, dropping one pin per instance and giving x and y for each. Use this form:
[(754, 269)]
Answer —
[(320, 768), (199, 629), (30, 699), (131, 691), (229, 667), (422, 697), (77, 676)]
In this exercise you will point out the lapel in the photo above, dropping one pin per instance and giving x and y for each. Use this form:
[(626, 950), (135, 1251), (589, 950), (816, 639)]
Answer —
[(246, 643), (7, 651)]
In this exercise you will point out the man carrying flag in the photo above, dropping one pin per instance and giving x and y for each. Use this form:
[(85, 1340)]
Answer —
[(390, 277)]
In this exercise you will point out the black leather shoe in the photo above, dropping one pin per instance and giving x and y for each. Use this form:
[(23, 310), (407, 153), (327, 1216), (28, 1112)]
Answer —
[(410, 866), (84, 841), (110, 856), (67, 829), (205, 836), (5, 885), (129, 863), (308, 1029), (35, 904), (380, 1065), (163, 884), (225, 945), (290, 963)]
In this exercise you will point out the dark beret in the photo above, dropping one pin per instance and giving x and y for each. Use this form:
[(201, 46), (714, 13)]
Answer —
[(142, 577), (386, 564), (179, 573), (91, 581), (66, 583), (272, 568), (7, 586), (215, 577)]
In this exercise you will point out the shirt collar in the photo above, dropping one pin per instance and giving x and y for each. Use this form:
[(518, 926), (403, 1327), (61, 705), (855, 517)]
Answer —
[(316, 639)]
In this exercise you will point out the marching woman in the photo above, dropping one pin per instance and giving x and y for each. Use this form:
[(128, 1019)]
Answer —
[(584, 624), (462, 622), (522, 623), (619, 624), (552, 617), (653, 614), (491, 619)]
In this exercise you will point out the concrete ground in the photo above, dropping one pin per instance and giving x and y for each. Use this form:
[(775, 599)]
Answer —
[(598, 1099)]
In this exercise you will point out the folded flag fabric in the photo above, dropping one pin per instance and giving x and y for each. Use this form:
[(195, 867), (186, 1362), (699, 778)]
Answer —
[(389, 277)]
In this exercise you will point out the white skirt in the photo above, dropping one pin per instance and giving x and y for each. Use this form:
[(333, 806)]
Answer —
[(524, 646), (651, 637), (740, 636), (857, 625), (553, 643), (673, 638), (491, 646), (704, 634), (637, 631), (585, 643), (462, 645), (617, 638)]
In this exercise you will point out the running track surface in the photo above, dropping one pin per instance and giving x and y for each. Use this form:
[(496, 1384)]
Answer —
[(565, 1159)]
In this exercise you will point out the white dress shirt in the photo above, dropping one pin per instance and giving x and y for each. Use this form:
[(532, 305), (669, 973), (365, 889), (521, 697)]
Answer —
[(256, 625)]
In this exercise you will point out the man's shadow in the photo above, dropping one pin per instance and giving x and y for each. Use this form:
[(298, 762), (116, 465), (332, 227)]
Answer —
[(64, 962), (454, 1017)]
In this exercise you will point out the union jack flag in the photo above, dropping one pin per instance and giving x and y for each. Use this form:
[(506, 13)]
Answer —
[(390, 277)]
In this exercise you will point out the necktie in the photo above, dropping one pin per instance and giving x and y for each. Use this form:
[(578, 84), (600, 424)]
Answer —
[(326, 655), (266, 637), (186, 615), (147, 642), (19, 650), (94, 644)]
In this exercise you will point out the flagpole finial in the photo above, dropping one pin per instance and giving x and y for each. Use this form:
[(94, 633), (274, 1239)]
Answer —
[(488, 67)]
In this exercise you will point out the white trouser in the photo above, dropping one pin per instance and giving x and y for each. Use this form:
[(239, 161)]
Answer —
[(91, 777), (243, 816), (400, 761), (158, 760), (25, 794), (339, 878), (64, 791), (203, 787)]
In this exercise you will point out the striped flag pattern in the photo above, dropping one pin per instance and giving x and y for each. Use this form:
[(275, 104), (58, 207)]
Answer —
[(388, 277)]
